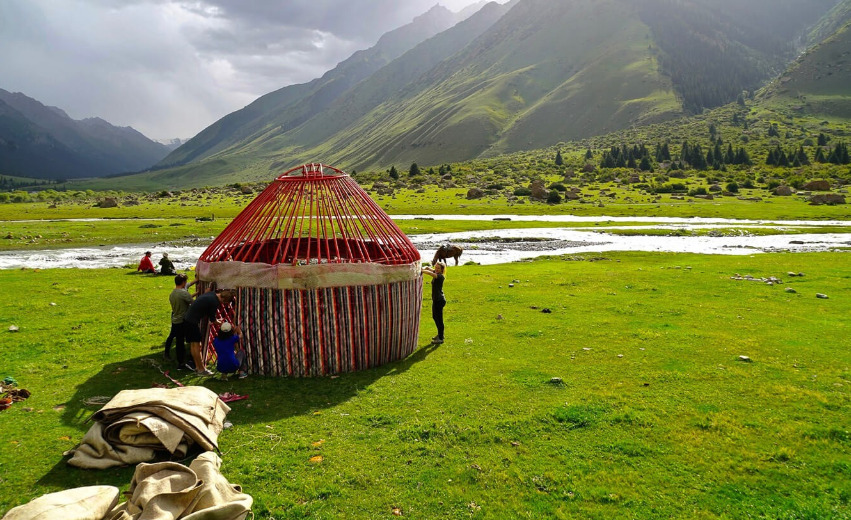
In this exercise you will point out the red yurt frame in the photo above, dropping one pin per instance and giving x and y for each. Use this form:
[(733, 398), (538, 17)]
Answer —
[(325, 281)]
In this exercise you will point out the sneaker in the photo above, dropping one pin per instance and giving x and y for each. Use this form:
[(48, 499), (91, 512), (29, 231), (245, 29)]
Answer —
[(204, 372), (243, 375), (437, 341), (184, 367)]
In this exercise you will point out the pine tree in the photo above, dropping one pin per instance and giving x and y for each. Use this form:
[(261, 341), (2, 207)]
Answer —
[(414, 170), (770, 159), (559, 160), (822, 140), (819, 156), (802, 157), (773, 131), (394, 174), (645, 165), (782, 158), (589, 155), (630, 163), (730, 158)]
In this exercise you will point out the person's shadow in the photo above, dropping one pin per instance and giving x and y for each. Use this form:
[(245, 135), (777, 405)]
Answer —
[(270, 399)]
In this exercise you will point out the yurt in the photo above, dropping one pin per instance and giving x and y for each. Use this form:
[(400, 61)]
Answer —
[(325, 281)]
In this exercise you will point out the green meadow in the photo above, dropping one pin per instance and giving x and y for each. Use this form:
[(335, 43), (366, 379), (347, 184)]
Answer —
[(653, 414)]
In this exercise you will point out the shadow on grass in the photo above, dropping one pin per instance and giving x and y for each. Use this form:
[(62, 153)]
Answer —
[(271, 399)]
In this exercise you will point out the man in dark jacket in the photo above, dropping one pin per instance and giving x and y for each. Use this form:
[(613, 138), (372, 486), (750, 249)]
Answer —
[(205, 306)]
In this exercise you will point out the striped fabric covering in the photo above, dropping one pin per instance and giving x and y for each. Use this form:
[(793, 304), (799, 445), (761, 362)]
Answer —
[(316, 332)]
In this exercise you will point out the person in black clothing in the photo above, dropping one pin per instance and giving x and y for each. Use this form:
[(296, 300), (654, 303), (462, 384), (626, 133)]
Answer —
[(167, 266), (205, 306), (438, 300)]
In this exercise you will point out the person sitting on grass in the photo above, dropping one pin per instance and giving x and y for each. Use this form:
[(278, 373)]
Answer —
[(146, 265), (229, 353), (166, 265)]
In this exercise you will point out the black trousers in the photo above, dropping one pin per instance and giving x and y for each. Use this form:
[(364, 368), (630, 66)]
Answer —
[(178, 333), (437, 316)]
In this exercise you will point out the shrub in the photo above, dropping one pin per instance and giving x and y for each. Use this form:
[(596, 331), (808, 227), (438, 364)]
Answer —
[(697, 191), (553, 197), (522, 192), (732, 187), (558, 187)]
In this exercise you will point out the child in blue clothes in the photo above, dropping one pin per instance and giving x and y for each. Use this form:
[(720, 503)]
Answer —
[(228, 352)]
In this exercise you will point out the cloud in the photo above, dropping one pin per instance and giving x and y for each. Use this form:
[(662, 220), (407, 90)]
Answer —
[(169, 68)]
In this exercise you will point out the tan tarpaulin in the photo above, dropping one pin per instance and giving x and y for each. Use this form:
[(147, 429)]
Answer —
[(136, 424), (161, 491), (84, 503), (168, 491)]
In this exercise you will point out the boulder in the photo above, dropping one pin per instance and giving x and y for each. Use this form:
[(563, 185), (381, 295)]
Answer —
[(715, 188), (475, 193), (108, 202), (539, 192), (246, 190), (782, 191), (831, 199), (817, 186)]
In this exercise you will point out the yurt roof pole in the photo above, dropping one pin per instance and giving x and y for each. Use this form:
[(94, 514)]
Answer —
[(327, 210), (377, 234), (347, 225), (286, 193), (231, 233)]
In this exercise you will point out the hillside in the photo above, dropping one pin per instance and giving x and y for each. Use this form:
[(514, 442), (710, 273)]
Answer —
[(44, 142), (819, 82)]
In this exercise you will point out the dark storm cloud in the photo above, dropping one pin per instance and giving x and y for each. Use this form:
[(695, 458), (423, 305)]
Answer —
[(169, 68)]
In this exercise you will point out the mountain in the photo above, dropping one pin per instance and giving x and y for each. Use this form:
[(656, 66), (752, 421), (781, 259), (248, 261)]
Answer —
[(834, 20), (819, 82), (524, 75), (291, 106), (44, 142)]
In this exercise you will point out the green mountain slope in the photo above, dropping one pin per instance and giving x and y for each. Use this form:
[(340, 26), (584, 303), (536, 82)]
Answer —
[(834, 20), (819, 82)]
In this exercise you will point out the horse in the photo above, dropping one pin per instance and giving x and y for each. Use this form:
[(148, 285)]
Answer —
[(445, 252)]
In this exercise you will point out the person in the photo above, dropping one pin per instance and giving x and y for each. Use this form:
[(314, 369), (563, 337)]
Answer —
[(438, 299), (205, 306), (166, 266), (146, 265), (230, 355), (180, 300)]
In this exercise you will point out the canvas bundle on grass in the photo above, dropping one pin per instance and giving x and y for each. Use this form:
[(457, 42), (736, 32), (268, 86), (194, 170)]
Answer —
[(325, 281)]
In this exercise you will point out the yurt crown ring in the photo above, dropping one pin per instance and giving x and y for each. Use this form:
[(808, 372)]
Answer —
[(312, 171)]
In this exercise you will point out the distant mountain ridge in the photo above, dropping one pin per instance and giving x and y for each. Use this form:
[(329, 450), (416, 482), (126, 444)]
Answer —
[(43, 142)]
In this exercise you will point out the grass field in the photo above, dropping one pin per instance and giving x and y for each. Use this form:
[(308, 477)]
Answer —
[(656, 416)]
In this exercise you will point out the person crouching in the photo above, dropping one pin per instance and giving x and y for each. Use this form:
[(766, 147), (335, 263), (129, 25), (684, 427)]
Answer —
[(230, 355)]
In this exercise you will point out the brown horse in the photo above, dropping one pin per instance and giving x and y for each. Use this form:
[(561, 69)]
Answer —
[(445, 252)]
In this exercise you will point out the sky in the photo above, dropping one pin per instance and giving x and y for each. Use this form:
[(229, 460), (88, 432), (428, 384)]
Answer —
[(170, 68)]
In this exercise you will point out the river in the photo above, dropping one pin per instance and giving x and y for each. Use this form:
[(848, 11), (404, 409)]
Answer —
[(504, 245)]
